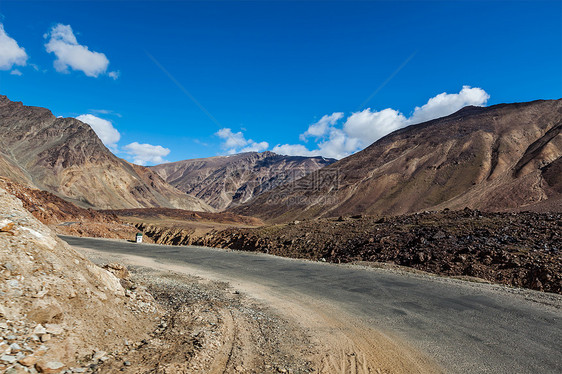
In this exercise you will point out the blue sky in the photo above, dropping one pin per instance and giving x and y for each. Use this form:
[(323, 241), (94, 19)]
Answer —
[(200, 79)]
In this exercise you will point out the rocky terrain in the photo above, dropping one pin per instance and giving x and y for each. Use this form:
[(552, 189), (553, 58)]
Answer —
[(493, 158), (58, 311), (185, 216), (64, 156), (208, 327), (177, 222), (517, 249), (227, 181)]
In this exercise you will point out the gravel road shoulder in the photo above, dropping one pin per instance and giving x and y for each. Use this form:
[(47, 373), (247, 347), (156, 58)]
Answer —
[(211, 327), (206, 326)]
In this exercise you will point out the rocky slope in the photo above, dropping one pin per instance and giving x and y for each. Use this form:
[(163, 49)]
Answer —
[(56, 307), (518, 249), (496, 158), (227, 181), (66, 218), (65, 156)]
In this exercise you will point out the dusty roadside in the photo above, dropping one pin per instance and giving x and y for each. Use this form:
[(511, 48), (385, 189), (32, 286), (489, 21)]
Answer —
[(207, 327), (291, 334)]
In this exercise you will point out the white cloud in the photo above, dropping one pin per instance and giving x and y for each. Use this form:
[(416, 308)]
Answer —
[(337, 144), (141, 154), (16, 72), (146, 153), (62, 42), (231, 139), (337, 138), (10, 52), (445, 104), (235, 142), (255, 147), (104, 130), (322, 127), (114, 74), (293, 150), (367, 126)]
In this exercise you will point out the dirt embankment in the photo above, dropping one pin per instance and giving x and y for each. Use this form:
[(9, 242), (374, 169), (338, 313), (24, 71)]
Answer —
[(57, 309), (60, 313), (517, 249)]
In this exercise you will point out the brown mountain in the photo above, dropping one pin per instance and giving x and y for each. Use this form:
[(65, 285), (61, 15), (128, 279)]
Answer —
[(503, 157), (64, 156), (227, 181)]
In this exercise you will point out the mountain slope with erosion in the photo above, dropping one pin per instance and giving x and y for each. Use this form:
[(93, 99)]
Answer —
[(64, 156), (503, 157), (227, 181)]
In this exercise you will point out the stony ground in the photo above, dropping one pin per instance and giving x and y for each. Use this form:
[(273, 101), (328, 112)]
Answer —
[(208, 327), (58, 311), (517, 249), (212, 328)]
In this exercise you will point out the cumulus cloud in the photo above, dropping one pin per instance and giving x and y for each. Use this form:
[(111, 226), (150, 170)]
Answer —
[(231, 139), (63, 43), (293, 150), (335, 136), (367, 126), (445, 104), (146, 153), (10, 52), (16, 72), (235, 142), (255, 147), (363, 128), (104, 130), (141, 154), (337, 144), (322, 127)]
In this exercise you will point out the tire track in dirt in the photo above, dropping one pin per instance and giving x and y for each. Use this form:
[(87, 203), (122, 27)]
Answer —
[(205, 327), (348, 346), (223, 356)]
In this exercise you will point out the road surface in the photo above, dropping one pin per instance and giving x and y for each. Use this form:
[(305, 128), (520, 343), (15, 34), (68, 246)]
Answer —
[(465, 327)]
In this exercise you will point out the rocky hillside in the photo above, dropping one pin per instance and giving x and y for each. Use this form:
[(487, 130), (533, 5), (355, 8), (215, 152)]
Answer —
[(65, 156), (58, 311), (66, 218), (503, 157), (227, 181)]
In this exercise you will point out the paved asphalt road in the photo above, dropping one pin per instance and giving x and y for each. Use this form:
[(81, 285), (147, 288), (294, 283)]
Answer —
[(466, 327)]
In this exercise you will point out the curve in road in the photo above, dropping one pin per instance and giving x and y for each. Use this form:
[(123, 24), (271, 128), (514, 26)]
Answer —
[(466, 327)]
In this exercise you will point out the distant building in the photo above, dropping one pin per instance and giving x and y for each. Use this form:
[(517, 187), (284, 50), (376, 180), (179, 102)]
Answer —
[(139, 237)]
